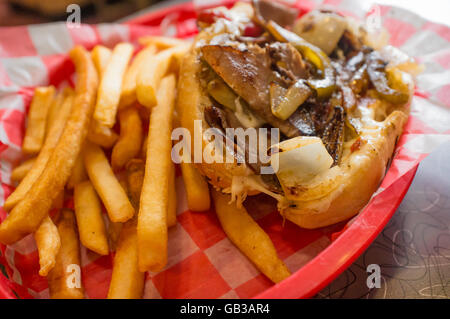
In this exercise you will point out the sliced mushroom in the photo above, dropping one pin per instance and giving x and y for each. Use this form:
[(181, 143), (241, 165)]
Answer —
[(333, 134)]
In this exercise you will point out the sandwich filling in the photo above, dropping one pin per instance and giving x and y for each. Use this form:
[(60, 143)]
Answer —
[(315, 79)]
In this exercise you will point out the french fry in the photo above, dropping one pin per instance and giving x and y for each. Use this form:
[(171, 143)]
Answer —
[(78, 173), (53, 109), (44, 155), (111, 85), (58, 203), (130, 138), (152, 72), (88, 212), (128, 95), (98, 133), (172, 204), (102, 135), (100, 56), (47, 238), (114, 230), (37, 117), (64, 280), (172, 200), (106, 184), (197, 190), (161, 43), (144, 147), (249, 237), (48, 244), (135, 178), (56, 106), (127, 282), (28, 214), (19, 172), (144, 113), (152, 218)]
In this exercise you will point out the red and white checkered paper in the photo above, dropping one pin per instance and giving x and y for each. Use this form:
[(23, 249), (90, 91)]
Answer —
[(202, 262)]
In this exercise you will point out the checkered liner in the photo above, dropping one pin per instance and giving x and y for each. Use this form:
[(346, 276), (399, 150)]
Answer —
[(202, 262)]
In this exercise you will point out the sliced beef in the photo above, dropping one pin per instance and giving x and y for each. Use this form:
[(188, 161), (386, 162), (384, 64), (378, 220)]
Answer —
[(216, 117), (248, 73), (349, 44), (288, 61), (266, 10), (221, 119)]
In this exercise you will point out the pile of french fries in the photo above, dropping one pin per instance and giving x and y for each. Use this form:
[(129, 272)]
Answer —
[(92, 144)]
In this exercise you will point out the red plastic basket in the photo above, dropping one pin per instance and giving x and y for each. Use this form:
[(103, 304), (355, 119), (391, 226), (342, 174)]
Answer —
[(331, 262), (339, 255)]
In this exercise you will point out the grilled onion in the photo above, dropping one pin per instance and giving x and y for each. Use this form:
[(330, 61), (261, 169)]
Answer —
[(284, 102)]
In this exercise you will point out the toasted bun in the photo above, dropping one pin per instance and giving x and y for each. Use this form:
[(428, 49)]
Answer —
[(355, 179)]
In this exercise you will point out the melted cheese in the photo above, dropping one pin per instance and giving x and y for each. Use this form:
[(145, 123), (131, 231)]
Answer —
[(241, 185)]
